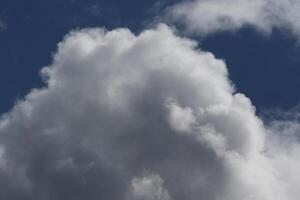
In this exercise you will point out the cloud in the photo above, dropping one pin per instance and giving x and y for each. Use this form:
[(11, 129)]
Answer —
[(209, 16), (94, 10), (118, 104), (148, 187), (3, 25)]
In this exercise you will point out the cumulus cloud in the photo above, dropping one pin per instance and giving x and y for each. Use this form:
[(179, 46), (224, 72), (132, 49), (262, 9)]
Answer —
[(208, 16), (117, 104)]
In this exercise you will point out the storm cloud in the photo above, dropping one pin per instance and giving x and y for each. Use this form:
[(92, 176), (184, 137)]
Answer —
[(141, 117)]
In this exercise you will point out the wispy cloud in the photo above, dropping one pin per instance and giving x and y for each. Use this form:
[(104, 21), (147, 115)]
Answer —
[(208, 16), (94, 10), (3, 25)]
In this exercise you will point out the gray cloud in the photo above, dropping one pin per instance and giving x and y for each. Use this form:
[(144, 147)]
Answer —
[(140, 117)]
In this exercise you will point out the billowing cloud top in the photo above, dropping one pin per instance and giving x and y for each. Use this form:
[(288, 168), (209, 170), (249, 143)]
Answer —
[(208, 16), (146, 117)]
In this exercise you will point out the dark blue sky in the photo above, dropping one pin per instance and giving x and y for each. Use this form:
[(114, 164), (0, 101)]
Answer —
[(265, 68)]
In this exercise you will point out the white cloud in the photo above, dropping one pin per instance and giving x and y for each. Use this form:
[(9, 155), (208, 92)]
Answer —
[(208, 16), (148, 187), (117, 104)]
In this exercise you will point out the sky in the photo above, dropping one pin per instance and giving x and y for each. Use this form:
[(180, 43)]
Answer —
[(149, 100), (31, 29)]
